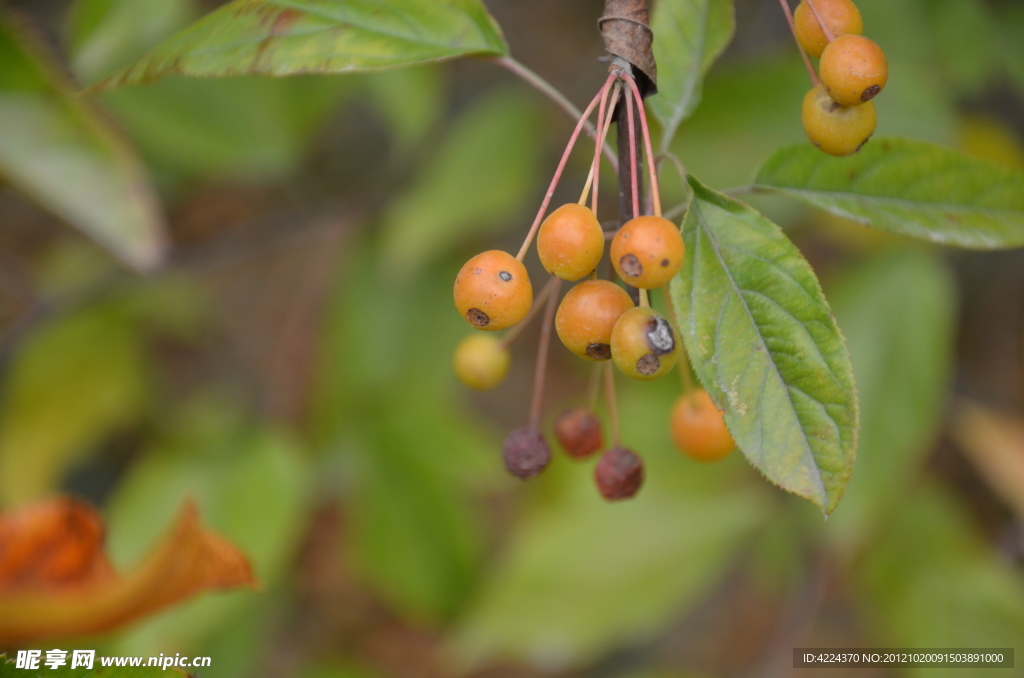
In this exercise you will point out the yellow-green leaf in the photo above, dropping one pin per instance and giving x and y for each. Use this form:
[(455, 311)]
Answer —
[(765, 345), (913, 188), (287, 37)]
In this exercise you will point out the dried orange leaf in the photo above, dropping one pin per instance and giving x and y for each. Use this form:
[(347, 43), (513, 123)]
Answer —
[(54, 545), (188, 561)]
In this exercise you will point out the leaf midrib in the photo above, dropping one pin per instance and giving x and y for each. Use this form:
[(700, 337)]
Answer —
[(736, 290)]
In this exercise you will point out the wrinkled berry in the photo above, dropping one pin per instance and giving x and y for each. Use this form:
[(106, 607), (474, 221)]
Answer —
[(619, 474), (526, 453), (579, 432)]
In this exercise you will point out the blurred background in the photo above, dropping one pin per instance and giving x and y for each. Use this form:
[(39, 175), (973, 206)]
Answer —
[(289, 367)]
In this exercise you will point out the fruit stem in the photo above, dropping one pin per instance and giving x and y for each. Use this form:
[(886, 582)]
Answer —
[(684, 362), (632, 154), (792, 27), (604, 121), (644, 300), (829, 35), (558, 175), (613, 410), (594, 387), (542, 355), (651, 165), (551, 92), (513, 334)]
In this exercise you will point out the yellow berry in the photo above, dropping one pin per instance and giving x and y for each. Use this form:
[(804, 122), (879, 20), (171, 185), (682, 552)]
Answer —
[(834, 128), (644, 345), (481, 361)]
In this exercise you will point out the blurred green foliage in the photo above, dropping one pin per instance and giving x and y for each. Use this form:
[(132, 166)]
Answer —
[(547, 575)]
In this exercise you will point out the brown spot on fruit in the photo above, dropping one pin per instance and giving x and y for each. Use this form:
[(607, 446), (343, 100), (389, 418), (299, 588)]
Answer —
[(665, 262), (631, 266), (599, 351), (648, 364), (870, 93), (477, 318), (505, 275)]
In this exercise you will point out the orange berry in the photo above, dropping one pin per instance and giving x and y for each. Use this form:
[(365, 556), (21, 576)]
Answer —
[(853, 70), (481, 361), (493, 291), (647, 251), (644, 345), (570, 242), (834, 128), (841, 16), (698, 427), (587, 316)]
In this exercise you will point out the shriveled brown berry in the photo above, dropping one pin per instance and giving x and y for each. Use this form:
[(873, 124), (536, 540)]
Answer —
[(526, 452), (647, 251), (579, 432), (570, 242), (493, 291), (619, 474), (841, 16), (587, 315), (853, 70)]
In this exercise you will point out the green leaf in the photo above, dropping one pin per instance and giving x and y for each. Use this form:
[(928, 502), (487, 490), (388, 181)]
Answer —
[(106, 34), (416, 533), (907, 187), (69, 159), (481, 175), (241, 129), (251, 486), (580, 576), (932, 581), (764, 344), (74, 381), (288, 37), (689, 36), (902, 351)]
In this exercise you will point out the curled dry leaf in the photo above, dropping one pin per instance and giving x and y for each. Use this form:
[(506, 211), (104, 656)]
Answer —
[(56, 582), (994, 444)]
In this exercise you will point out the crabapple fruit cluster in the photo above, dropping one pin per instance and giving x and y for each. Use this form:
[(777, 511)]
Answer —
[(597, 319), (839, 114)]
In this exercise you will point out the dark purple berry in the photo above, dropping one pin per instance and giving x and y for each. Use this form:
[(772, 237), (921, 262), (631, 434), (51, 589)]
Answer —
[(526, 453), (579, 432), (619, 474)]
